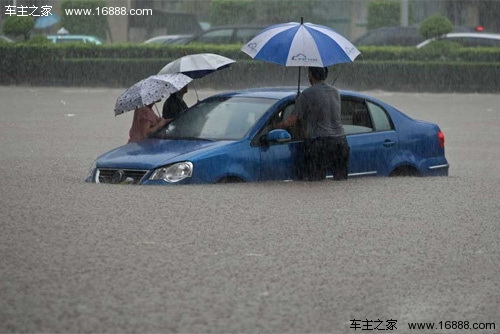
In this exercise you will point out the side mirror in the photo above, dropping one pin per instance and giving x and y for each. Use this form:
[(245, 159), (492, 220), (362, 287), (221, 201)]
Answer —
[(278, 135)]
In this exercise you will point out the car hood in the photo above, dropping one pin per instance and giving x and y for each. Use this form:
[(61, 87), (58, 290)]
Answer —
[(153, 153)]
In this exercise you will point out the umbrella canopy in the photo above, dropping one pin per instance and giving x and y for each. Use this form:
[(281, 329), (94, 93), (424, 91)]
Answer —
[(46, 21), (197, 65), (150, 90), (301, 44)]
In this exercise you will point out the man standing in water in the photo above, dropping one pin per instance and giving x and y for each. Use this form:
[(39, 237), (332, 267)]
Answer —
[(325, 144)]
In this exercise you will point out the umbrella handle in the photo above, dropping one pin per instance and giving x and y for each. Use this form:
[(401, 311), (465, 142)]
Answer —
[(298, 85)]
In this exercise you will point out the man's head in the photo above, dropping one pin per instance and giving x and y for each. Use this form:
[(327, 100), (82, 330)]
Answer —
[(317, 74)]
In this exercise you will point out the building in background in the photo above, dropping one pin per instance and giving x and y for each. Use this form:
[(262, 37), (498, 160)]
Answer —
[(348, 17)]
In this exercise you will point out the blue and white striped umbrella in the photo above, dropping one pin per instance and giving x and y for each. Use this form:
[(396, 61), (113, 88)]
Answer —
[(301, 44)]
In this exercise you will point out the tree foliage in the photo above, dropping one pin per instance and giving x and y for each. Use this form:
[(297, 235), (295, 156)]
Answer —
[(434, 26), (18, 26)]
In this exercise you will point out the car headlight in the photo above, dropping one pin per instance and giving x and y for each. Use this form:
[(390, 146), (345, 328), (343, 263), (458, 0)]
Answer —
[(90, 173), (173, 173)]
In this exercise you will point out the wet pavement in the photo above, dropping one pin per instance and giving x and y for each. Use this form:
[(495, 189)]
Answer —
[(280, 257)]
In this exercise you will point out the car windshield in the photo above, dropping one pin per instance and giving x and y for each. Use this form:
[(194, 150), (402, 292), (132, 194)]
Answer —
[(224, 118)]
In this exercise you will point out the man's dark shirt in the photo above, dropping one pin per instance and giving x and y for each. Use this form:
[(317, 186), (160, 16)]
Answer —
[(173, 106), (318, 107)]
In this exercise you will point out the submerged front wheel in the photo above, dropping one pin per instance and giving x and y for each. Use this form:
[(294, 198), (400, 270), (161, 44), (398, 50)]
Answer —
[(230, 179)]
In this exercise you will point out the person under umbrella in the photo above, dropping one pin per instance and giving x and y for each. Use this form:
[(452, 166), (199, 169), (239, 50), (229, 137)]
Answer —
[(195, 66), (325, 145), (299, 45), (145, 123), (317, 107), (142, 96), (175, 104)]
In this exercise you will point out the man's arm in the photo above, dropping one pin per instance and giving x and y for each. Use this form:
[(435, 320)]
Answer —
[(286, 123)]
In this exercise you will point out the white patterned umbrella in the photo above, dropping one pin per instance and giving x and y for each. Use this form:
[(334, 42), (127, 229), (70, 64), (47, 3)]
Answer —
[(197, 65), (150, 90)]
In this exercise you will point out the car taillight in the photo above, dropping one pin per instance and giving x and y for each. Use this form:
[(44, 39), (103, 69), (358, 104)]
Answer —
[(441, 139)]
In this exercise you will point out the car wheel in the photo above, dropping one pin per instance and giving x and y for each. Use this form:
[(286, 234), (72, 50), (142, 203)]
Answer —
[(230, 179), (405, 171)]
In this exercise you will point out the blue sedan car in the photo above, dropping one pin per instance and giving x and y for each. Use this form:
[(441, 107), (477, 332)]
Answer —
[(230, 137)]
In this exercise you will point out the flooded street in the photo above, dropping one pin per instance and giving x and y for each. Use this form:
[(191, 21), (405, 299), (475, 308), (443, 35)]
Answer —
[(292, 257)]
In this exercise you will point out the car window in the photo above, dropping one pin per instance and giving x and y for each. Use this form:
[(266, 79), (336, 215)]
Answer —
[(404, 36), (474, 41), (220, 36), (243, 35), (355, 116), (372, 38), (69, 40), (298, 130), (488, 42), (464, 41), (281, 114), (380, 118), (219, 118)]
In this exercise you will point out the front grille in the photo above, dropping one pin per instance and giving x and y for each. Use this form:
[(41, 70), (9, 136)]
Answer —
[(120, 176)]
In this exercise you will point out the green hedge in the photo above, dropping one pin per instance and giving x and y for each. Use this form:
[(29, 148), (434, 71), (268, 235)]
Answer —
[(443, 51), (387, 68)]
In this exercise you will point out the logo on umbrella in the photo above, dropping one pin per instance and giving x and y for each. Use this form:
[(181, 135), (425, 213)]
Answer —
[(350, 50), (252, 46), (302, 57)]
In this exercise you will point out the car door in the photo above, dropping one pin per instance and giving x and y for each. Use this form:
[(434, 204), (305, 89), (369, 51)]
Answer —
[(278, 160), (371, 136), (370, 133)]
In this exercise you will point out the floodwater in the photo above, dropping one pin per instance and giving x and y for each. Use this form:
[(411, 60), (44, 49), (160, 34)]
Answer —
[(263, 257)]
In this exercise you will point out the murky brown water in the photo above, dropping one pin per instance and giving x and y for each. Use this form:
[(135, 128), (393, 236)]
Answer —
[(263, 257)]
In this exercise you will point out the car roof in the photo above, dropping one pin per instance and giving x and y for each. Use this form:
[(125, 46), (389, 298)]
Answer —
[(233, 28), (72, 36), (279, 93), (462, 34), (236, 27), (256, 27), (473, 34), (163, 38), (88, 38), (396, 35)]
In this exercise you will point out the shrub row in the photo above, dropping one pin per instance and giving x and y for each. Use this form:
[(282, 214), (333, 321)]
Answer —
[(387, 68), (34, 52)]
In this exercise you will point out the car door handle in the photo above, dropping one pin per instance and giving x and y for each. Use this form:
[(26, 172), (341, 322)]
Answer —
[(388, 143)]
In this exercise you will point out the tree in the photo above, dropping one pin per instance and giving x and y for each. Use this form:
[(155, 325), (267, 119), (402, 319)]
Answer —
[(18, 25), (434, 26)]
